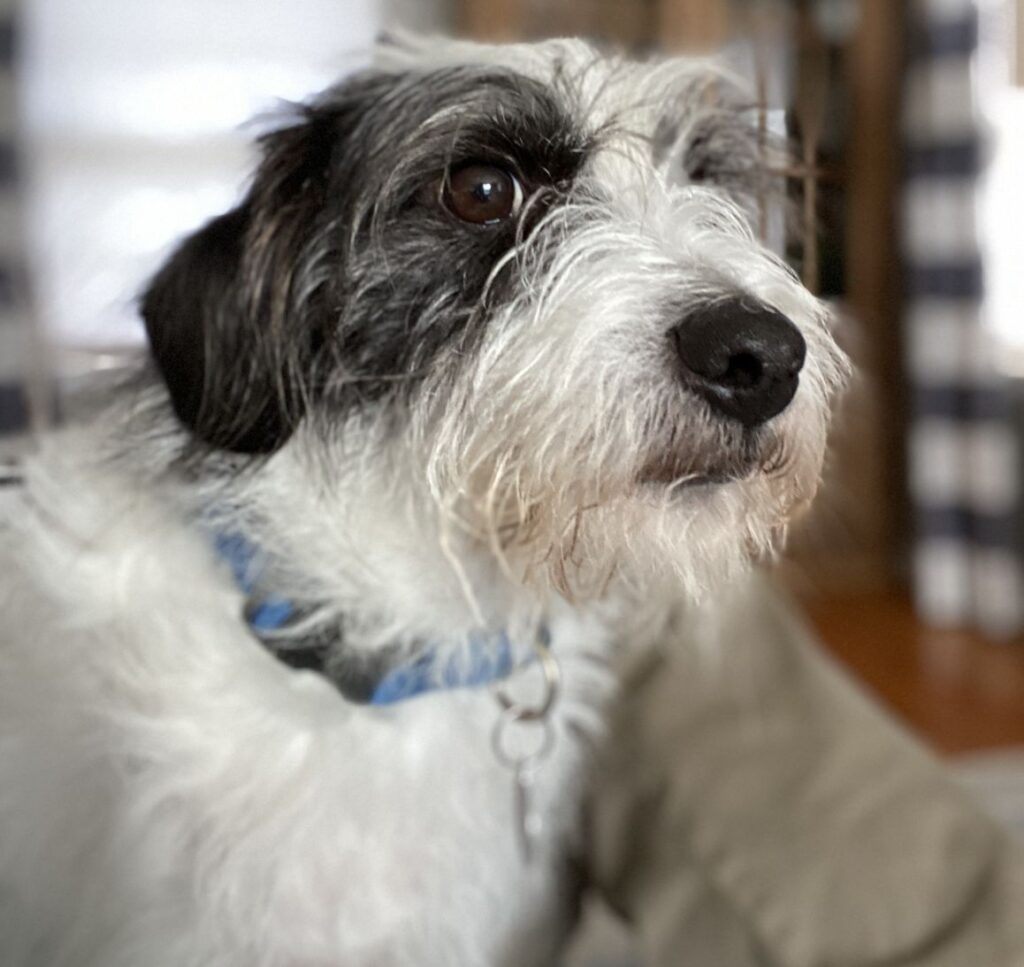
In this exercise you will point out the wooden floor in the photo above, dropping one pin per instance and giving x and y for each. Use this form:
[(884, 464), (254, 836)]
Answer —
[(958, 691)]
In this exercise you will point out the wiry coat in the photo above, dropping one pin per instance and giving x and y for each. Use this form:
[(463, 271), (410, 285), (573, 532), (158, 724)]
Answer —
[(432, 430)]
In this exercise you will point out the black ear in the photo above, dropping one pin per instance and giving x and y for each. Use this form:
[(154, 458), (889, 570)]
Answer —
[(237, 314)]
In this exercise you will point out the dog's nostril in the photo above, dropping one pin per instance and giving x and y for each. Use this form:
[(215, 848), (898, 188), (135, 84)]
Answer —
[(742, 357), (744, 370)]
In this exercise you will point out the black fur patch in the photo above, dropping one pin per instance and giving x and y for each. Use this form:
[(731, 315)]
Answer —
[(341, 277)]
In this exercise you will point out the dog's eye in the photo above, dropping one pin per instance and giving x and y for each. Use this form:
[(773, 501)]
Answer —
[(483, 194)]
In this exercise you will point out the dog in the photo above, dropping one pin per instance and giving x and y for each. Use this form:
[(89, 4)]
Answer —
[(306, 639)]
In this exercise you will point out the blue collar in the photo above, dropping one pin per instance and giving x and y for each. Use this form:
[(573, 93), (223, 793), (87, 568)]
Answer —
[(489, 657)]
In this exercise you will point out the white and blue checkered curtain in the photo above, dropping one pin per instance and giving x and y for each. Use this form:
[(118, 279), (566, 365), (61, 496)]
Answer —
[(133, 115), (14, 322), (964, 466)]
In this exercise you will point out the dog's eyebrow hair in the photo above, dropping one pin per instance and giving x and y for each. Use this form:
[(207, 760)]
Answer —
[(469, 108)]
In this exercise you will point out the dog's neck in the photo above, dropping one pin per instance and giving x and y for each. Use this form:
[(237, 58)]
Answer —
[(368, 548), (359, 542), (314, 637)]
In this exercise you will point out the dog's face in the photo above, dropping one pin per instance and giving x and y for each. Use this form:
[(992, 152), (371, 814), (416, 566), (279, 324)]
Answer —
[(529, 272)]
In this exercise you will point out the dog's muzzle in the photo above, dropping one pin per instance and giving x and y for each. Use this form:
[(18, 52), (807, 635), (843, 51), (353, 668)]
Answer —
[(742, 357)]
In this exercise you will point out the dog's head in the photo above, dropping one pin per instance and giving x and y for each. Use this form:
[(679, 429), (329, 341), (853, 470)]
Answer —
[(530, 271)]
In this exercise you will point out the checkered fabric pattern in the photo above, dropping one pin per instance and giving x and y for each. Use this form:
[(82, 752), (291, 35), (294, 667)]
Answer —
[(964, 460), (19, 396), (12, 400)]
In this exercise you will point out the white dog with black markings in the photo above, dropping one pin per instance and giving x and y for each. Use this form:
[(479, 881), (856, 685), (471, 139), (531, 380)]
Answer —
[(305, 643)]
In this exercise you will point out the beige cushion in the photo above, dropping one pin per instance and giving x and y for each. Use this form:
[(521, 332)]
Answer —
[(755, 808)]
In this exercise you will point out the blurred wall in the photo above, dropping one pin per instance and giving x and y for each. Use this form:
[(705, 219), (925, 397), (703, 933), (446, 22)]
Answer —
[(137, 121), (424, 16)]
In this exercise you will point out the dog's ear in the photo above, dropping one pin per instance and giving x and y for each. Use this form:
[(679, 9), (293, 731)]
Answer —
[(237, 314)]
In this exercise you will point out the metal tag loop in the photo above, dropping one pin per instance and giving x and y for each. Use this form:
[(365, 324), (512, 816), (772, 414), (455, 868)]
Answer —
[(552, 673), (523, 763)]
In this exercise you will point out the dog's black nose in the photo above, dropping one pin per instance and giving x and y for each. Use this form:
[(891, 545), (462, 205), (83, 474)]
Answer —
[(744, 358)]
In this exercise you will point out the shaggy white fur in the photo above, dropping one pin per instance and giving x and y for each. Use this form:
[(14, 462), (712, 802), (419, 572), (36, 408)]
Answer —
[(172, 795)]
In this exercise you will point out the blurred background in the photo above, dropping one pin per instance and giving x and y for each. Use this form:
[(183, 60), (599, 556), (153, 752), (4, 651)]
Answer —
[(124, 123)]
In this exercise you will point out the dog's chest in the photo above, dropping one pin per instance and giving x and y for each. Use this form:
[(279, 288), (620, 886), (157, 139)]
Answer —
[(400, 837), (228, 810)]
